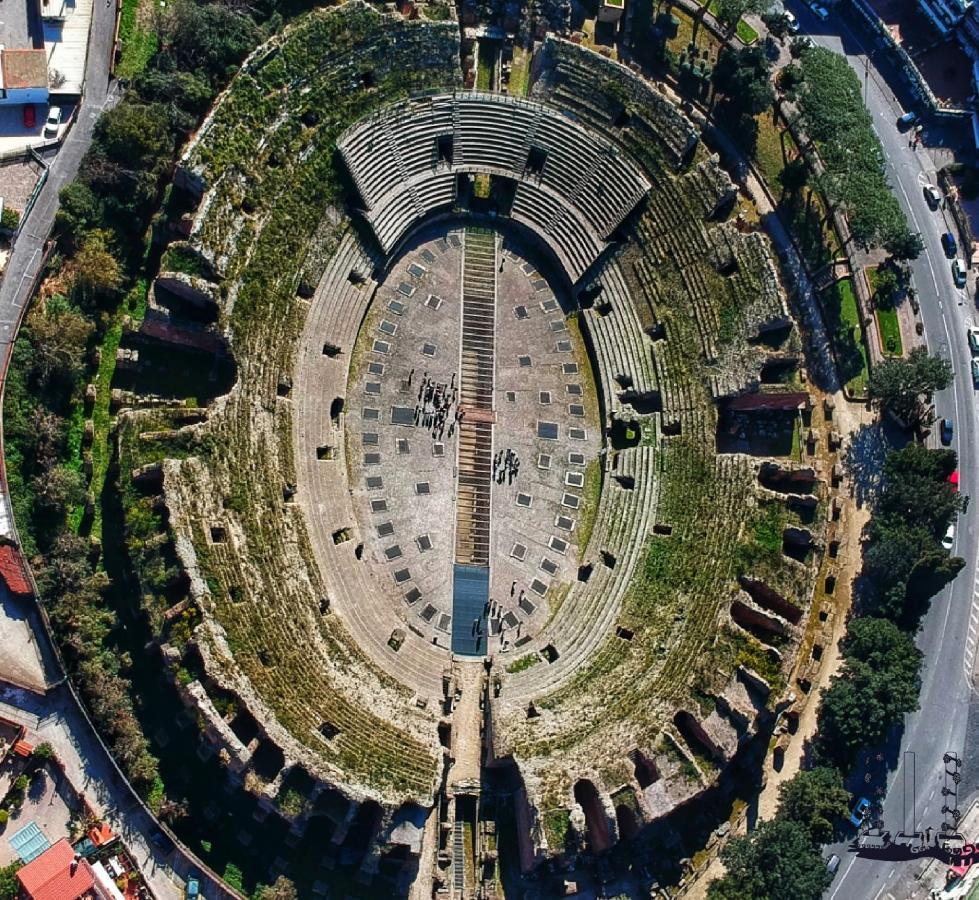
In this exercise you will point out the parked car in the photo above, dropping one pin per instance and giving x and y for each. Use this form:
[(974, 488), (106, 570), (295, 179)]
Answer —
[(945, 431), (53, 122), (975, 372), (953, 480), (833, 864), (973, 334), (949, 245), (949, 538), (30, 116), (859, 811), (193, 888), (933, 196), (791, 22), (959, 272), (907, 120), (821, 12)]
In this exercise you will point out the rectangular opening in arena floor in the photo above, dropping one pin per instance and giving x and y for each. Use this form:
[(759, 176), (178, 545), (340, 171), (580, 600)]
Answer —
[(470, 598)]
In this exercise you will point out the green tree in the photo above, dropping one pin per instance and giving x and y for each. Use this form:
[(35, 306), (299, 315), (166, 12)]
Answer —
[(877, 684), (59, 489), (9, 885), (777, 860), (730, 12), (904, 387), (905, 245), (887, 288), (58, 334), (743, 77), (97, 271), (815, 798), (79, 210)]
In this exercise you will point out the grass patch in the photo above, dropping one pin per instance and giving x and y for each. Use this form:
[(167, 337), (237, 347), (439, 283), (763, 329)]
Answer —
[(489, 53), (746, 32), (557, 823), (890, 332), (138, 43), (592, 496), (519, 83), (843, 319), (524, 663)]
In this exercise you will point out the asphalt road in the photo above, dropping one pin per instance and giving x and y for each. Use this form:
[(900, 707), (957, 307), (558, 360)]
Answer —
[(949, 631)]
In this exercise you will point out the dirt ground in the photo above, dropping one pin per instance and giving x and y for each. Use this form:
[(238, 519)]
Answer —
[(17, 180)]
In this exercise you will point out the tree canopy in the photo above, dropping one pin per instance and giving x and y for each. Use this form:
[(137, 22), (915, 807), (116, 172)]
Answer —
[(816, 799), (877, 685), (904, 387), (743, 77), (838, 122), (730, 12), (904, 561), (777, 860)]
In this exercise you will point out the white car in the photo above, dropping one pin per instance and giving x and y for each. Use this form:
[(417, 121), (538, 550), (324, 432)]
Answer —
[(821, 12), (959, 272), (791, 22), (949, 538), (973, 334), (932, 195), (53, 122)]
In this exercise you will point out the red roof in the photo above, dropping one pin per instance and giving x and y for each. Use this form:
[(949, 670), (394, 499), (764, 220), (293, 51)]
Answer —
[(55, 875), (22, 748), (12, 570), (100, 835)]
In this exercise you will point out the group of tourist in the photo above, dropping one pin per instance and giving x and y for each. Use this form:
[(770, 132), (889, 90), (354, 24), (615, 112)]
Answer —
[(506, 465), (434, 409)]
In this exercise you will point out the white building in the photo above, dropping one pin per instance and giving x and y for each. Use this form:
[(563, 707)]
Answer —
[(23, 76)]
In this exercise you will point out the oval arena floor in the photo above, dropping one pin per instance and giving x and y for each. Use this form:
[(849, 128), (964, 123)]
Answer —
[(472, 438)]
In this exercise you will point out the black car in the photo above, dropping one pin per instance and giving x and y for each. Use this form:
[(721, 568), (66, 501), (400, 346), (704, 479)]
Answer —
[(945, 431), (949, 245)]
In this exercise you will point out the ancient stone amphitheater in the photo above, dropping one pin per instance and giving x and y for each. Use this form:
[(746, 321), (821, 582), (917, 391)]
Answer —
[(493, 506)]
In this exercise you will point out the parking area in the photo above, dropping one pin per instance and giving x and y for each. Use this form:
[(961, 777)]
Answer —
[(16, 132)]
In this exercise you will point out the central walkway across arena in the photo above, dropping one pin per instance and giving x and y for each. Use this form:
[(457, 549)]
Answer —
[(477, 363)]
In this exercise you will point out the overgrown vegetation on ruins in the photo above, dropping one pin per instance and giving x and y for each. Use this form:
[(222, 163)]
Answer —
[(57, 437)]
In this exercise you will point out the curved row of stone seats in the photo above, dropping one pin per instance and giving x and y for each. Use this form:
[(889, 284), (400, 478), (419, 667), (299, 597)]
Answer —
[(367, 602), (588, 614), (574, 244), (392, 216), (647, 124), (621, 348), (307, 701), (584, 185)]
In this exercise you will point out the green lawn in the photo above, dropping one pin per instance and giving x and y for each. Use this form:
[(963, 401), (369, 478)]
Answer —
[(843, 320), (773, 149), (746, 32), (890, 332), (138, 43), (519, 82)]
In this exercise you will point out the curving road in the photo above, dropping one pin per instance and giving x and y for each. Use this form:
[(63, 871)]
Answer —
[(949, 631)]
